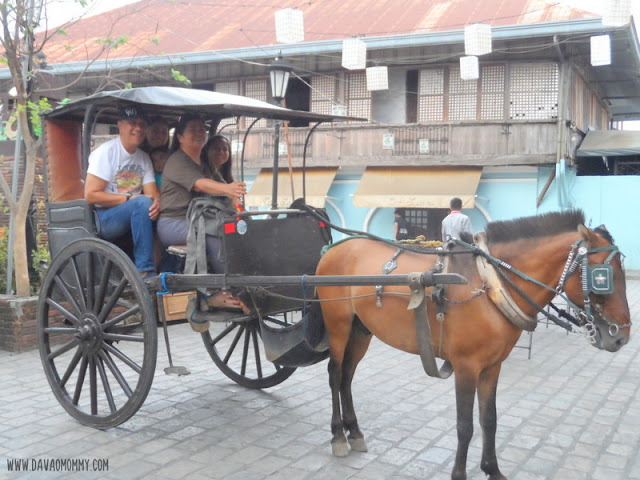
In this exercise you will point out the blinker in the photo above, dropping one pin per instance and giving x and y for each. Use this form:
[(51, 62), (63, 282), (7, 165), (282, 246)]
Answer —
[(599, 279)]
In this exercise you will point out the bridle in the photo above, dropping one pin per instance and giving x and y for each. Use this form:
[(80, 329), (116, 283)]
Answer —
[(597, 279), (590, 276)]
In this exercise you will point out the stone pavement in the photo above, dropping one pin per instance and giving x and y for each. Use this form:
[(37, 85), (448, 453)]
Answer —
[(571, 412)]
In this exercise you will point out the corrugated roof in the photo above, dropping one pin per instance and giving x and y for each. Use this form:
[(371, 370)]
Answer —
[(156, 27)]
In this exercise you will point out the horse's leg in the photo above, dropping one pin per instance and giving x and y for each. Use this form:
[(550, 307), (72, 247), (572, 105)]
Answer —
[(466, 383), (339, 324), (338, 441), (487, 386), (359, 341)]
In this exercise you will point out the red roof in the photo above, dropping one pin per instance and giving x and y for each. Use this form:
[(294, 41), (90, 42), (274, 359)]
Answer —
[(155, 27)]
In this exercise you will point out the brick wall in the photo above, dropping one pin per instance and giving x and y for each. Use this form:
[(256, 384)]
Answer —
[(18, 323)]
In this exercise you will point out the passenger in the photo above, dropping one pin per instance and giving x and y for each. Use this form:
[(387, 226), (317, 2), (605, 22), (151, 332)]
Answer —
[(185, 177), (156, 145), (217, 154), (120, 182)]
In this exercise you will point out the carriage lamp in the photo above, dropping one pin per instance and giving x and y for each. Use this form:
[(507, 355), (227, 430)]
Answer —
[(279, 72)]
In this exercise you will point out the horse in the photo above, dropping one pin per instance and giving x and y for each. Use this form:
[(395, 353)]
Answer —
[(539, 257)]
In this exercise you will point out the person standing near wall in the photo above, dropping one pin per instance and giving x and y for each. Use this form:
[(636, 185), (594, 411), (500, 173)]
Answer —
[(401, 227), (456, 223)]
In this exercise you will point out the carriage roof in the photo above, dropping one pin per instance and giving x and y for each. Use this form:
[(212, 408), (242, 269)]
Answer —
[(174, 101)]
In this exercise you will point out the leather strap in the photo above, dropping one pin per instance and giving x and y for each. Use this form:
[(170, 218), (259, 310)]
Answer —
[(423, 331)]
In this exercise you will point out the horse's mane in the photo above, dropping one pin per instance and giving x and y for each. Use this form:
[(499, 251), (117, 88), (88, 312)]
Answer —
[(534, 227)]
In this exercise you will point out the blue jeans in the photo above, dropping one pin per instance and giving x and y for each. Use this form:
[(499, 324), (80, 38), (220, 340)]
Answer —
[(131, 216)]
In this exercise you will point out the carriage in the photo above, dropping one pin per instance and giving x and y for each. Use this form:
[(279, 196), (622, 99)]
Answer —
[(98, 321)]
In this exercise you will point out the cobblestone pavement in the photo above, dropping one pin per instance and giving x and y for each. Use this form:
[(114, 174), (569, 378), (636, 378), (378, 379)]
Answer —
[(570, 412)]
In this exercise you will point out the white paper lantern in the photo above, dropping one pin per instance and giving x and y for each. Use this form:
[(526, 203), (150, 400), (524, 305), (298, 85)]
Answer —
[(477, 39), (377, 78), (469, 69), (600, 50), (289, 26), (617, 13), (354, 54)]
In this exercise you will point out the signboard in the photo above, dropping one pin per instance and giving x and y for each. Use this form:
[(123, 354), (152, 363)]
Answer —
[(388, 141)]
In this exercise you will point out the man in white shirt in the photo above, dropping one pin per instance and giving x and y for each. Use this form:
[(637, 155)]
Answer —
[(121, 183), (456, 223)]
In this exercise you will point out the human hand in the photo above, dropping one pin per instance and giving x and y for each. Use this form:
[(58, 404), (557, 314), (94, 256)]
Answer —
[(237, 190), (154, 209)]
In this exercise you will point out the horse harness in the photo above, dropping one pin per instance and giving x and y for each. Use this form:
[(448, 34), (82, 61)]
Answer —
[(597, 279)]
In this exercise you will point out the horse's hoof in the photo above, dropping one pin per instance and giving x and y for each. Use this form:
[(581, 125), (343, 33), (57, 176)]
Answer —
[(358, 444), (339, 449)]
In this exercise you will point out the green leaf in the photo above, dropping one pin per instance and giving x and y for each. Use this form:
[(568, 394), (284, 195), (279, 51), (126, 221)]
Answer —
[(155, 39), (178, 77), (61, 31), (64, 101), (128, 85)]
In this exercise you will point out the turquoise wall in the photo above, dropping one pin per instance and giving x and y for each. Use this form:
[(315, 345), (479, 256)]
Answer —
[(611, 200)]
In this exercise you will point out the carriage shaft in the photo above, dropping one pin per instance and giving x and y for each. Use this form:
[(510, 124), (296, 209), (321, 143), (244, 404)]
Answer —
[(187, 282)]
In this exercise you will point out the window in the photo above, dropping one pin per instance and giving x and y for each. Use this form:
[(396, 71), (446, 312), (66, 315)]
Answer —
[(431, 95), (358, 98), (534, 91), (323, 94), (425, 221)]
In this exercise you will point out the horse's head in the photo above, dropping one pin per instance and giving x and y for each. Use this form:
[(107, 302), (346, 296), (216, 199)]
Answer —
[(599, 289)]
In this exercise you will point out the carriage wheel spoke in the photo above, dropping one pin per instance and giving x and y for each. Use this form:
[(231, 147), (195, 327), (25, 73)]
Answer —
[(224, 333), (115, 371), (256, 351), (102, 287), (112, 300), (125, 359), (67, 294), (93, 386), (232, 347), (89, 280), (65, 348), (80, 381), (117, 337), (67, 330), (70, 368), (76, 277), (119, 318), (67, 314), (105, 384), (245, 352)]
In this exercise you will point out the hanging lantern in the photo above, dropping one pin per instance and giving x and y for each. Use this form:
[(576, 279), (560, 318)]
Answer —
[(377, 78), (477, 39), (289, 26), (600, 50), (617, 13), (469, 69), (354, 54)]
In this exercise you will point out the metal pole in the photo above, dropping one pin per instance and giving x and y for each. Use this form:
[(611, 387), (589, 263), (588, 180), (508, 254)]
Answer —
[(276, 153)]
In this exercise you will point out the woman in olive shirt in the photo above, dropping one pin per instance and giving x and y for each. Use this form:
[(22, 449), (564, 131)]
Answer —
[(187, 176)]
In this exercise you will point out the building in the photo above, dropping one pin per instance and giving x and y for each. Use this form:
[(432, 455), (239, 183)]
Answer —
[(507, 142)]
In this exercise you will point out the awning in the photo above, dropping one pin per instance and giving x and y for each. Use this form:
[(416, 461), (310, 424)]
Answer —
[(417, 187), (318, 182), (610, 143)]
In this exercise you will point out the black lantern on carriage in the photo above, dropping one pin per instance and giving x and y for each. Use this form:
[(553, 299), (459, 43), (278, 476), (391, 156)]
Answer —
[(279, 71)]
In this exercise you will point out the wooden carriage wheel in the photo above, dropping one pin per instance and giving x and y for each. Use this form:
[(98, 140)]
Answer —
[(97, 334), (236, 348)]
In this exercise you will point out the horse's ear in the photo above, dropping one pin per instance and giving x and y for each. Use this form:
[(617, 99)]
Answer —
[(585, 233)]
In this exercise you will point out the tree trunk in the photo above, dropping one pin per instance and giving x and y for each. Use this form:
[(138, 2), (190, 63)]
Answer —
[(20, 259)]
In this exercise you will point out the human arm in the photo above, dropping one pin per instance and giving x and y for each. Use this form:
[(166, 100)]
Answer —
[(94, 193), (233, 190), (395, 230)]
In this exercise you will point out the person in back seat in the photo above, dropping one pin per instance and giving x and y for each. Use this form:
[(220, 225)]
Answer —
[(187, 174), (120, 182)]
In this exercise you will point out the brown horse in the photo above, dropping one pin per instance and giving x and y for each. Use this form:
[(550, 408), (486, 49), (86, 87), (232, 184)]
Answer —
[(476, 337)]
